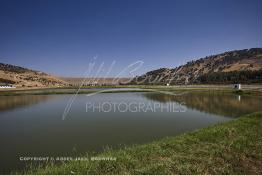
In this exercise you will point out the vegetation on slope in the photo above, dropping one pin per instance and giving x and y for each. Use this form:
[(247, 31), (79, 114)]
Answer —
[(231, 77), (244, 65)]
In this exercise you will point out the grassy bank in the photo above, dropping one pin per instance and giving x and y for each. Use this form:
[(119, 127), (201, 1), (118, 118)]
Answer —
[(234, 147), (113, 89), (58, 91)]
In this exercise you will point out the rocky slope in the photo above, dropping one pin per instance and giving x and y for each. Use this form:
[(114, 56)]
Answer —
[(229, 67), (22, 77)]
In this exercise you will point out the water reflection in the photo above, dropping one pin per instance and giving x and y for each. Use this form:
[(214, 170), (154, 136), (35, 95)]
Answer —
[(38, 130), (220, 104), (12, 102)]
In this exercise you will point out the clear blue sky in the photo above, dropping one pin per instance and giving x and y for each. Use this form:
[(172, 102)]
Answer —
[(61, 37)]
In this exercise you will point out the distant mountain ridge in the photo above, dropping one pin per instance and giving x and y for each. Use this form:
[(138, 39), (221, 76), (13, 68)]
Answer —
[(23, 77), (239, 66), (94, 81), (229, 67)]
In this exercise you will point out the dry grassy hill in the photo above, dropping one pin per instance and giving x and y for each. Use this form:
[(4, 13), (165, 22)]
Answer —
[(234, 66), (22, 77)]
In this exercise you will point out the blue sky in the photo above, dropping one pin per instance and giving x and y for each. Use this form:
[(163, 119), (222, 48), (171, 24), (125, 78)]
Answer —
[(61, 37)]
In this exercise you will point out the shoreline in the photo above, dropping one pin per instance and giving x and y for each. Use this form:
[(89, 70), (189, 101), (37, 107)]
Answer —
[(246, 89), (231, 147)]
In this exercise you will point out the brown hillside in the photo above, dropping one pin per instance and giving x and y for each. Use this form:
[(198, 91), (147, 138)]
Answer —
[(223, 64), (22, 77)]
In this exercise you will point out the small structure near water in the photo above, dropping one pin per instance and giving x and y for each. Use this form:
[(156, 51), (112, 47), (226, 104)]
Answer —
[(6, 85), (237, 86)]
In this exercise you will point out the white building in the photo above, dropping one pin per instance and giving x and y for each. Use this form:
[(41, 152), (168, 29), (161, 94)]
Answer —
[(237, 86), (6, 86)]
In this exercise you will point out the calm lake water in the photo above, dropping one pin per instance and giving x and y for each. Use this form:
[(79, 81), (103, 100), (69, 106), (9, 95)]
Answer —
[(32, 125)]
